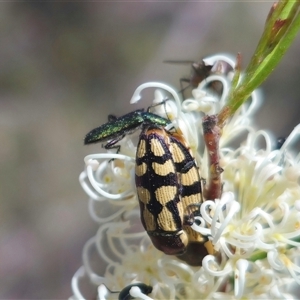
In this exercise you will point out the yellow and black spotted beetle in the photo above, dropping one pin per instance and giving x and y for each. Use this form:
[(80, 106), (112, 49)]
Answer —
[(169, 192)]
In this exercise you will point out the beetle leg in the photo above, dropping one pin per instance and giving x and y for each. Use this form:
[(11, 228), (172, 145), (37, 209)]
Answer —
[(191, 213), (111, 118), (182, 85), (111, 144)]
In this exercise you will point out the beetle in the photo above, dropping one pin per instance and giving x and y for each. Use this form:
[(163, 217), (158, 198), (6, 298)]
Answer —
[(202, 69), (199, 71), (170, 192), (125, 293), (116, 128), (158, 191)]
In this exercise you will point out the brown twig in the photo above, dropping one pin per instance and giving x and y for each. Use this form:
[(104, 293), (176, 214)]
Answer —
[(212, 133)]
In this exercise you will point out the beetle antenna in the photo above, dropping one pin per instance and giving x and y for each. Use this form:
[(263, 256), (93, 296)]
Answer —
[(157, 104)]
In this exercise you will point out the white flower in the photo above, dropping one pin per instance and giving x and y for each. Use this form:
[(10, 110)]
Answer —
[(254, 227)]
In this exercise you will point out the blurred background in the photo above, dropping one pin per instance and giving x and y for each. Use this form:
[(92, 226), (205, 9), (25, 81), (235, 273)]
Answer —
[(64, 67)]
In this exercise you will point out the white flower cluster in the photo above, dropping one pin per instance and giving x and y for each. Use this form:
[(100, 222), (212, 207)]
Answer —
[(254, 227)]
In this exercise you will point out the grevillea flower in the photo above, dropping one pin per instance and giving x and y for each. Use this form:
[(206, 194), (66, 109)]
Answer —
[(254, 227)]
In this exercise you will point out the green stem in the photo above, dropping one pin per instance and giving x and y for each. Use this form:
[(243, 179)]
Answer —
[(282, 26), (271, 61)]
